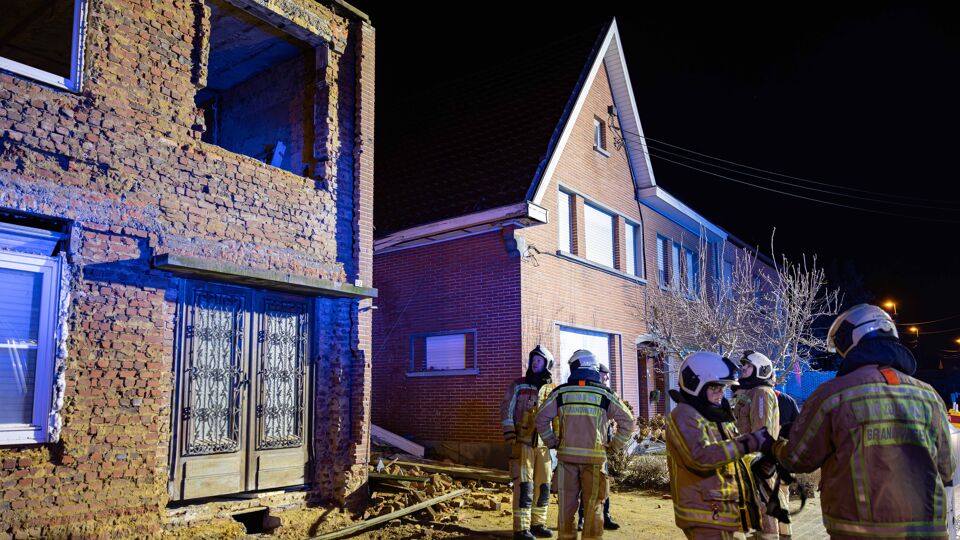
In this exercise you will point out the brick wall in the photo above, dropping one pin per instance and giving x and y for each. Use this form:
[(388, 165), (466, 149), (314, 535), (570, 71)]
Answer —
[(469, 283), (122, 159)]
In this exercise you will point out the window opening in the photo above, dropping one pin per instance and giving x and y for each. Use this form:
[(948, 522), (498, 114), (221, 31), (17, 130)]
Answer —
[(43, 40)]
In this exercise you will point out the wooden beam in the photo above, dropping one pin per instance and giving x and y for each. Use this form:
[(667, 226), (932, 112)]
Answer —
[(400, 477), (472, 473), (395, 440), (342, 533)]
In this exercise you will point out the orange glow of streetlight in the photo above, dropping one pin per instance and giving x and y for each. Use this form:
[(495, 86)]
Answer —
[(914, 329), (891, 305)]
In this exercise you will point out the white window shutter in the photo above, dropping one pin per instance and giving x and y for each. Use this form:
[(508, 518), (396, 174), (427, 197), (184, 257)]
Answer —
[(599, 235), (447, 352), (563, 221), (631, 245), (574, 339)]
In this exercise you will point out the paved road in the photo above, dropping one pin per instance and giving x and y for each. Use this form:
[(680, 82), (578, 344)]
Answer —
[(808, 524)]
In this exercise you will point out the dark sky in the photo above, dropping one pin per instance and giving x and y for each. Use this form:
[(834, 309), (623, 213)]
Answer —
[(856, 97)]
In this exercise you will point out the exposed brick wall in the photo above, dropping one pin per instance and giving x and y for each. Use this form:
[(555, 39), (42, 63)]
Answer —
[(123, 160), (469, 283)]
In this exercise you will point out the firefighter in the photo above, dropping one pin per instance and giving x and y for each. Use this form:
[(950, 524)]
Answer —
[(879, 436), (530, 464), (710, 478), (583, 407), (755, 406), (608, 523)]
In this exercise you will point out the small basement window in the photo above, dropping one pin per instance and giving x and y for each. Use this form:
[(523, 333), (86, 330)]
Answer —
[(444, 353), (43, 40), (256, 101)]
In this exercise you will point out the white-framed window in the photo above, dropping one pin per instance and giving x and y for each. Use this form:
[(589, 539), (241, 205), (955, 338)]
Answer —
[(443, 352), (663, 266), (727, 278), (631, 244), (675, 266), (598, 233), (28, 311), (691, 270), (574, 339), (563, 221), (599, 134), (43, 40)]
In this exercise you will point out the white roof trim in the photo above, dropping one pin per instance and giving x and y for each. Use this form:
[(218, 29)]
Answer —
[(456, 227), (611, 54), (657, 197)]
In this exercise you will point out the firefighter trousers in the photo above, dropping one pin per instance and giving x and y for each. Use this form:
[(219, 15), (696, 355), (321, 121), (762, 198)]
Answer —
[(591, 480), (530, 470)]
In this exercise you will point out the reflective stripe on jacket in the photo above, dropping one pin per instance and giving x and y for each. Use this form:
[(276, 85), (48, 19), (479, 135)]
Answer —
[(518, 410), (709, 477), (583, 412), (881, 439)]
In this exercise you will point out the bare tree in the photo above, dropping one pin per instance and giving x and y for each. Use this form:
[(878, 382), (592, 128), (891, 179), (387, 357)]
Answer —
[(755, 306)]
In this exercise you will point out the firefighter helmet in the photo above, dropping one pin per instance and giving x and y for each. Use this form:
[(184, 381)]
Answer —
[(583, 359), (762, 366), (702, 368), (540, 350), (862, 321)]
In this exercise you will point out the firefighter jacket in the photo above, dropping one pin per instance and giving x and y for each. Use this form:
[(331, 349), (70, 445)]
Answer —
[(583, 409), (518, 410), (755, 408), (881, 439), (710, 476)]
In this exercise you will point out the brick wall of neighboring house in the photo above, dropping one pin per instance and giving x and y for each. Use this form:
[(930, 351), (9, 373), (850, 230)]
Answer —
[(122, 160), (470, 283)]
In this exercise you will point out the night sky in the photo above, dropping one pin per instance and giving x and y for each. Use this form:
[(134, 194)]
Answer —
[(862, 99)]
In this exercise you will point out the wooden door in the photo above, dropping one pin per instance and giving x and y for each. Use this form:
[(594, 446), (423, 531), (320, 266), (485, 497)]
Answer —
[(242, 391)]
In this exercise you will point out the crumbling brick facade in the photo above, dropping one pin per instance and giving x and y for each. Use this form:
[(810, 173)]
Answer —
[(123, 161)]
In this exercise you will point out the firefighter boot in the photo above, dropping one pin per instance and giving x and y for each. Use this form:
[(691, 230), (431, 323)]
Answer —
[(541, 531)]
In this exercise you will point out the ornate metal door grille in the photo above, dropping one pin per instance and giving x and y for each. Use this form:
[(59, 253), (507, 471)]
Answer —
[(280, 400), (215, 341)]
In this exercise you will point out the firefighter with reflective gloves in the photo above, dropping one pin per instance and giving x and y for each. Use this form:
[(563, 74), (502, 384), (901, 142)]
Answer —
[(710, 480), (530, 465), (755, 406), (879, 436), (583, 407)]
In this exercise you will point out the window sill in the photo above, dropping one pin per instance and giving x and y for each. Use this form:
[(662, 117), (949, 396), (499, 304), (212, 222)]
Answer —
[(443, 373), (597, 266), (602, 151)]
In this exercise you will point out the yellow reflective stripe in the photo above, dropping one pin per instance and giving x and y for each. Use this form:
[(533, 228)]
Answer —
[(587, 452), (902, 529)]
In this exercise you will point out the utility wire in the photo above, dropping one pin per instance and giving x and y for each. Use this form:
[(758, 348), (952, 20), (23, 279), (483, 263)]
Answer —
[(947, 331), (657, 141), (804, 197), (859, 197), (929, 322)]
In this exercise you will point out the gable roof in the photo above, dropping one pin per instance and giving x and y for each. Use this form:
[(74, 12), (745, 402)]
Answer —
[(485, 139)]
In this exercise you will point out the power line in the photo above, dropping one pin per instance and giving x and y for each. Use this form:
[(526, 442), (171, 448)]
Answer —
[(804, 197), (905, 197), (947, 331), (929, 322), (859, 197)]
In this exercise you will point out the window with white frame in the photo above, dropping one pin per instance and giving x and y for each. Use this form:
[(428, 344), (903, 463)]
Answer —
[(574, 339), (563, 221), (691, 270), (599, 134), (631, 245), (663, 266), (727, 278), (440, 352), (43, 40), (598, 233), (675, 266), (29, 299)]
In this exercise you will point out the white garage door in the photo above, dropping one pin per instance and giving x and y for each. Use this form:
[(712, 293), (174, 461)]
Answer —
[(573, 339)]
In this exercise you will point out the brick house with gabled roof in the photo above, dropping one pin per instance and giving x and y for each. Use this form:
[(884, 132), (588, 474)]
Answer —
[(517, 215)]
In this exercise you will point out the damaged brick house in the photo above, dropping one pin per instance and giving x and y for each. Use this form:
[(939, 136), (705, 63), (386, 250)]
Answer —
[(523, 210), (186, 193)]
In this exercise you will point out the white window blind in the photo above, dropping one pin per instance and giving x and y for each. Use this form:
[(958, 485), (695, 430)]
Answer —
[(563, 221), (447, 352), (692, 270), (661, 262), (598, 227), (574, 339), (20, 297), (631, 242), (675, 266)]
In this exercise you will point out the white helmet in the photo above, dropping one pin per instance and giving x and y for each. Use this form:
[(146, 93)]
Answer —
[(583, 359), (857, 323), (762, 366), (702, 368)]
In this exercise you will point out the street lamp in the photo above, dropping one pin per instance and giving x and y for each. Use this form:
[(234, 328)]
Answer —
[(891, 305)]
